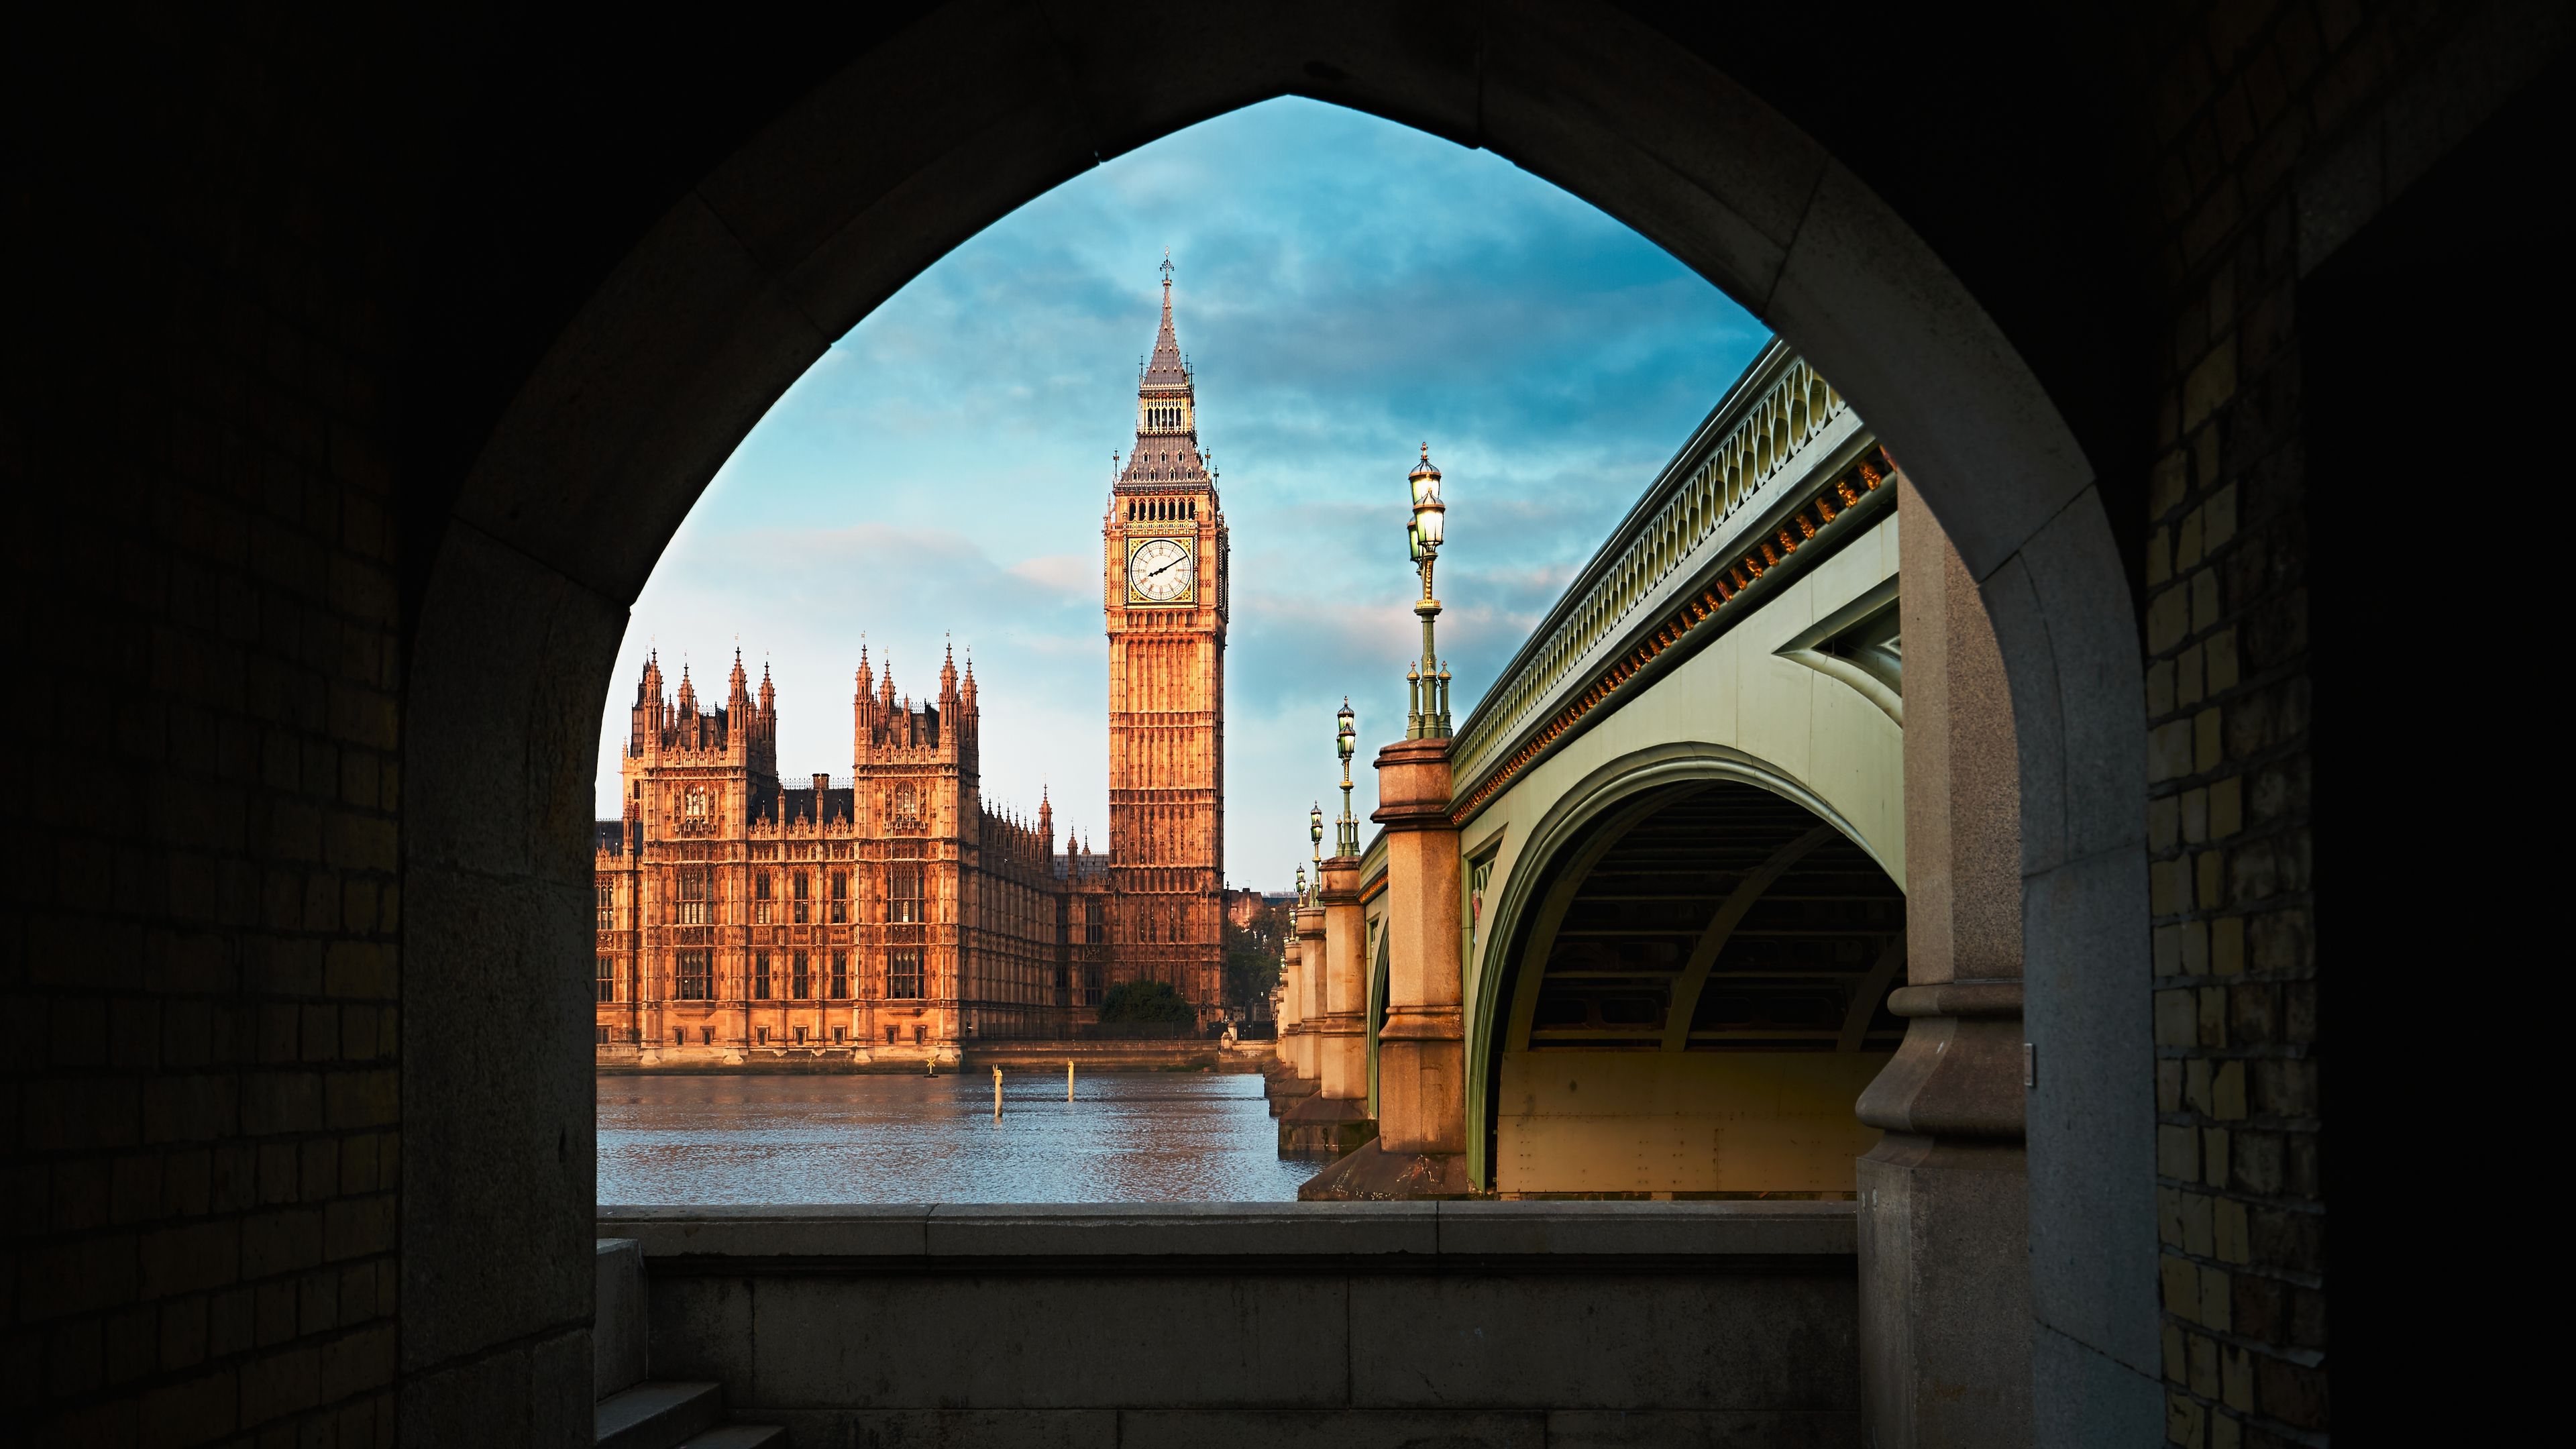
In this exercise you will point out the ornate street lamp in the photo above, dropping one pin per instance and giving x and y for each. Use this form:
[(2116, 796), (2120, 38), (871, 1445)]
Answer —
[(1302, 902), (1346, 835), (1426, 682), (1315, 833)]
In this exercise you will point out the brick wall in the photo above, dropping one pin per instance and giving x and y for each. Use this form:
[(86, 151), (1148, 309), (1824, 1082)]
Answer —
[(2257, 110), (202, 896), (2239, 1203)]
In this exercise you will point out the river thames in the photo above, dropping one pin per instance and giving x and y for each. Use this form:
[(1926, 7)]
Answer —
[(1143, 1137)]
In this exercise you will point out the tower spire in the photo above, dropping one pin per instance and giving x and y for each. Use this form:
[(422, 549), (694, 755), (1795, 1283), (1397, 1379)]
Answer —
[(1166, 369), (1167, 433)]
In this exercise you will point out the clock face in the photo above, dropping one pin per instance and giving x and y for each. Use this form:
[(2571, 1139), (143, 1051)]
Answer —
[(1161, 570)]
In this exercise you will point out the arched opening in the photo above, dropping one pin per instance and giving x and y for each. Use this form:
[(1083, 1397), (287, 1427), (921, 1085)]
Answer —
[(1689, 989), (796, 234)]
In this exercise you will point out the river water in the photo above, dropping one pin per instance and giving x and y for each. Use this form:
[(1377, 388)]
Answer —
[(1145, 1137)]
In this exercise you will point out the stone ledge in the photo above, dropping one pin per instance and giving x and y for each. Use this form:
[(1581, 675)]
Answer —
[(1177, 1233)]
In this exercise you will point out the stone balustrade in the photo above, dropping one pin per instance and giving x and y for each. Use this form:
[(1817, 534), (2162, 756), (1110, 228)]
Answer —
[(1722, 490)]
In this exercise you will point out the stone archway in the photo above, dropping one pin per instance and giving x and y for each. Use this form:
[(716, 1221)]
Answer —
[(907, 151), (1708, 947)]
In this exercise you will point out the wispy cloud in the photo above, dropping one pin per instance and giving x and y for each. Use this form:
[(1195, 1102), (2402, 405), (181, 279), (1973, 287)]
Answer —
[(1348, 290)]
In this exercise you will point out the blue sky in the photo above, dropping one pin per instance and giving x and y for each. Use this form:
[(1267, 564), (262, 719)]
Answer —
[(1347, 290)]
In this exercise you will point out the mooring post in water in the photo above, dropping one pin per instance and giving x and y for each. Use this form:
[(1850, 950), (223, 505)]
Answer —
[(1068, 1079), (997, 1094)]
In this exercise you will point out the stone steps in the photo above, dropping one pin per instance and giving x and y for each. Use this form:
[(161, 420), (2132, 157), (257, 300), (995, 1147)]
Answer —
[(656, 1415), (740, 1436), (634, 1411)]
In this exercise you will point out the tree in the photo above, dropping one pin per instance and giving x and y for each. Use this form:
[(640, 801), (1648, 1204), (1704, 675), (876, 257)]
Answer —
[(1252, 956), (1144, 1001)]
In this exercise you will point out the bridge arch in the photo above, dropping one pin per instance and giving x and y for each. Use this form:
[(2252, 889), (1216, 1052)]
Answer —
[(926, 135), (1777, 824)]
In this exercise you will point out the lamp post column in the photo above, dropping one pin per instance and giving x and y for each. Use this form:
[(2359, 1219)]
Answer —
[(1422, 1088)]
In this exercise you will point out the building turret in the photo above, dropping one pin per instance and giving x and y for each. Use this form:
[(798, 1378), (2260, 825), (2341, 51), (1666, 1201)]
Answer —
[(650, 715)]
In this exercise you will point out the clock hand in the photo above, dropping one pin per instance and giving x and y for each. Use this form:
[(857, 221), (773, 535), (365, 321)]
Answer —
[(1158, 572)]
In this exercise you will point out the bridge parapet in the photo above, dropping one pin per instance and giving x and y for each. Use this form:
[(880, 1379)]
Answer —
[(1782, 462), (1601, 1323)]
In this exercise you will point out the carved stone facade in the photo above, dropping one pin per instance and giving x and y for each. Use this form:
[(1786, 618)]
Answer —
[(1164, 584), (890, 915), (885, 915)]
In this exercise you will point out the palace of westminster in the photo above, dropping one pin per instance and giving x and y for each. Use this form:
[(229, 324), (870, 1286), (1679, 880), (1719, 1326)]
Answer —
[(895, 915)]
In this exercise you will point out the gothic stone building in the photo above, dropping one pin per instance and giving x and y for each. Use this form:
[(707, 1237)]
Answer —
[(891, 915), (1164, 595)]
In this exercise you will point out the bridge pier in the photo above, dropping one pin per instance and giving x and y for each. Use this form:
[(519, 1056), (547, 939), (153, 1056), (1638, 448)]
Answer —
[(1290, 1077), (1336, 1118), (1421, 1147), (1944, 1212)]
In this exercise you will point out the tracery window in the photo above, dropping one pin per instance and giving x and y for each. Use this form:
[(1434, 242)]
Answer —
[(607, 906), (804, 893), (840, 897), (695, 887), (760, 975), (803, 980), (697, 975), (760, 888), (607, 978), (903, 974), (903, 893), (697, 812), (840, 975)]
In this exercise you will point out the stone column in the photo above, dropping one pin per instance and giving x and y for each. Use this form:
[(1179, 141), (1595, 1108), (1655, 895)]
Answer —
[(1292, 1010), (1310, 968), (1335, 1119), (1345, 983), (1944, 1239), (1421, 1147), (1292, 1075)]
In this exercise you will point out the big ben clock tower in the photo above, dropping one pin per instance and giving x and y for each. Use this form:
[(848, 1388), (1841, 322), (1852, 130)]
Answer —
[(1164, 574)]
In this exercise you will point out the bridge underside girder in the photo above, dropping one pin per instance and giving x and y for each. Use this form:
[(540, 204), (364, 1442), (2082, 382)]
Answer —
[(1700, 996)]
